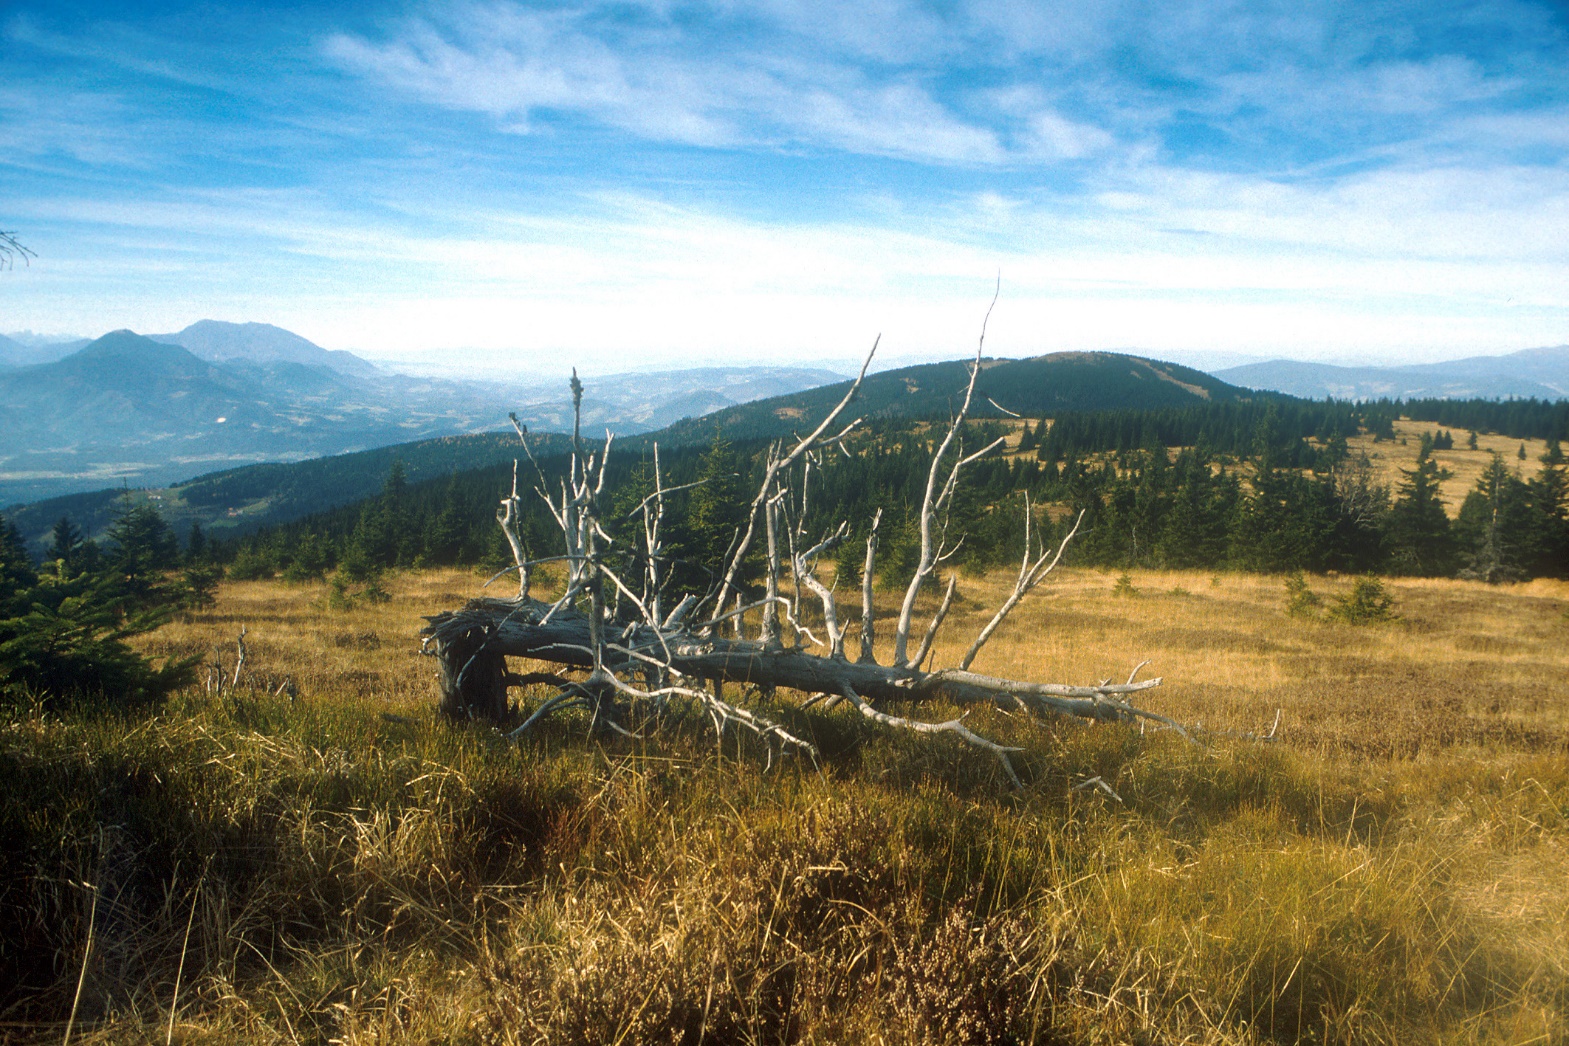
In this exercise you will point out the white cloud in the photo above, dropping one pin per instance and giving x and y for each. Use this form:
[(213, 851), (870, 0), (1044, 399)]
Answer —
[(92, 128), (760, 88), (1387, 265)]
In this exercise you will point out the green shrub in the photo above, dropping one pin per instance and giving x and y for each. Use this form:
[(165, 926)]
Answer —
[(250, 565), (1301, 601), (62, 632), (1367, 603)]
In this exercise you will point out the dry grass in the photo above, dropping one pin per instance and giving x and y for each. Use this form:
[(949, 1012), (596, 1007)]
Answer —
[(1464, 465), (1391, 870)]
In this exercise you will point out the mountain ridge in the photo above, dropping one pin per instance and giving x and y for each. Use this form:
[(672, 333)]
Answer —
[(237, 499), (1542, 373), (219, 341), (150, 412)]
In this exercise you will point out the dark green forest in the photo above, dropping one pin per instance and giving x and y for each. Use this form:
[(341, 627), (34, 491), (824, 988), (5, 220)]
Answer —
[(1256, 487)]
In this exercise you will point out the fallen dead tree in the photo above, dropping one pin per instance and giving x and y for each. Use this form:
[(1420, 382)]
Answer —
[(638, 646)]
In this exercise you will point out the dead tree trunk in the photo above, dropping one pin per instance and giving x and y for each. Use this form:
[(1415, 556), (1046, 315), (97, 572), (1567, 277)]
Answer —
[(471, 674), (529, 629), (652, 657)]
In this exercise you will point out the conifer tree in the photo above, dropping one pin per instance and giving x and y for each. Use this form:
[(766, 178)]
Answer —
[(1418, 532), (142, 548), (1547, 533), (715, 510), (1492, 521), (65, 542), (63, 635), (16, 567), (196, 543)]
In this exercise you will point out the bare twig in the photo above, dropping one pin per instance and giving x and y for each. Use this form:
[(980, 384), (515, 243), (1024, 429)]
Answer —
[(10, 250), (239, 664), (952, 726), (1030, 575)]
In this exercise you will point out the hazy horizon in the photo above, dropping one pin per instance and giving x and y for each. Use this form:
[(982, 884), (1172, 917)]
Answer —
[(454, 363), (518, 183)]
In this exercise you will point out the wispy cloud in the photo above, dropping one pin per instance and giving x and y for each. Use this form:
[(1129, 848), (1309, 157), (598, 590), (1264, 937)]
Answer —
[(695, 179), (794, 76)]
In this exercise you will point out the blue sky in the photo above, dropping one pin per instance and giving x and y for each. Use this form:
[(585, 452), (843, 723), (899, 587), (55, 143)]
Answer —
[(625, 185)]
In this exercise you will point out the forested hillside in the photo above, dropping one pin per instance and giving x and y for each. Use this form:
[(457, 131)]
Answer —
[(1146, 508), (1232, 487)]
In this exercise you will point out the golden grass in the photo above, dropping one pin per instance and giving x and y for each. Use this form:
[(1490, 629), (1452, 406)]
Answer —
[(1464, 465), (1390, 870)]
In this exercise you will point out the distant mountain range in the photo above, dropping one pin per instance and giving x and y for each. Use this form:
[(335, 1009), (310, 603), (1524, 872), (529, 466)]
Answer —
[(149, 411), (1539, 373), (240, 499), (219, 342), (24, 348), (154, 412)]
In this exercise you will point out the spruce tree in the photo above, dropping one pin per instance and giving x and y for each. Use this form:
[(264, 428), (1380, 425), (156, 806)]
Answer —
[(716, 511), (142, 549), (1418, 531), (1547, 535), (65, 542), (195, 543), (1491, 525), (16, 566), (63, 635)]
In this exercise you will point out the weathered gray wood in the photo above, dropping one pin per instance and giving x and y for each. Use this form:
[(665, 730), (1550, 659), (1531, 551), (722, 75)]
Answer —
[(655, 659), (487, 630), (471, 676)]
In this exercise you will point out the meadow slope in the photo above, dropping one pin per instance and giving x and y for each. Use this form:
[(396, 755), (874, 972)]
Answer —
[(341, 866)]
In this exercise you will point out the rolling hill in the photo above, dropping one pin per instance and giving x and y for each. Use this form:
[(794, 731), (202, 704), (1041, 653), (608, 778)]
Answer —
[(1040, 386), (241, 499), (128, 409), (1539, 373)]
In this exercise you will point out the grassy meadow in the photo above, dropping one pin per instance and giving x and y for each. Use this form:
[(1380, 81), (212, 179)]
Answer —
[(342, 866)]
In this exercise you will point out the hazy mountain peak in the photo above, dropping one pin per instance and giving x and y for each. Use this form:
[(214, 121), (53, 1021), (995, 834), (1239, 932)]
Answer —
[(220, 340), (13, 353)]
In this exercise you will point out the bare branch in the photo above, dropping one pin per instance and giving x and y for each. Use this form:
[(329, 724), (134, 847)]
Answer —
[(1030, 575), (10, 250), (868, 632), (937, 620), (931, 503), (777, 465), (952, 726), (801, 567)]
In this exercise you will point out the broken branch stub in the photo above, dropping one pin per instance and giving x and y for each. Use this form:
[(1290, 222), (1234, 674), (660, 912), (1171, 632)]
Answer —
[(639, 658)]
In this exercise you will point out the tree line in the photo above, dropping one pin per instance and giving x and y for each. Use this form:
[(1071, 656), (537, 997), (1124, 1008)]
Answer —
[(1291, 502)]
